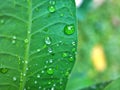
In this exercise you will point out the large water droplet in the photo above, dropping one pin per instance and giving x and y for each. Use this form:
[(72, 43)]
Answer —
[(48, 40), (69, 29), (3, 70), (51, 8), (50, 71)]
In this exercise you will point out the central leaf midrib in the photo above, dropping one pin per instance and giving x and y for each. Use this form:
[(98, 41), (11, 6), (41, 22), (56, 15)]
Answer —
[(27, 48)]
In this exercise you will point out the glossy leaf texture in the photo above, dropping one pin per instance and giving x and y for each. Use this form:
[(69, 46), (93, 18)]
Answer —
[(37, 44)]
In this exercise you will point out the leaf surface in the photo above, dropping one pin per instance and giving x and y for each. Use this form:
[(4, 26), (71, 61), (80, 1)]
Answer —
[(37, 44)]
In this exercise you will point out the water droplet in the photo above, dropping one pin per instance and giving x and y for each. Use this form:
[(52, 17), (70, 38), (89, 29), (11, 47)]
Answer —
[(52, 88), (14, 37), (67, 73), (71, 59), (54, 85), (51, 61), (38, 50), (35, 82), (50, 71), (52, 2), (64, 55), (27, 69), (26, 41), (29, 32), (49, 82), (61, 14), (45, 66), (73, 43), (26, 62), (42, 71), (38, 76), (51, 8), (2, 21), (48, 40), (24, 74), (50, 50), (69, 29), (3, 70), (13, 41), (14, 78), (39, 87)]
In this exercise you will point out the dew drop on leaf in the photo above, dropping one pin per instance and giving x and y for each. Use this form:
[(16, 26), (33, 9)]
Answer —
[(50, 71), (51, 61), (3, 70), (52, 2), (71, 59), (64, 55), (38, 76), (14, 78), (69, 29), (35, 82), (14, 37), (51, 8), (26, 40), (2, 21), (48, 40), (13, 41), (50, 50)]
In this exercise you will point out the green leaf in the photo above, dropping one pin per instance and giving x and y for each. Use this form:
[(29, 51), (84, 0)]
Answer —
[(37, 44), (115, 85)]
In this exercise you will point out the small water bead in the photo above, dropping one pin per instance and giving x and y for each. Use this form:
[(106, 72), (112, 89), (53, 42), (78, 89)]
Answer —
[(39, 87), (38, 76), (48, 40), (51, 8), (67, 73), (38, 50), (69, 29), (35, 82), (13, 41), (29, 32), (42, 71), (26, 62), (52, 2), (50, 71), (3, 70), (14, 78), (49, 82), (52, 88), (26, 41), (73, 43), (71, 59), (50, 50), (64, 55), (2, 21), (50, 61), (61, 14), (14, 37)]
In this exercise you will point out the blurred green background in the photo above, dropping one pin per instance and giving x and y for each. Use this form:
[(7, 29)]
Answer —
[(98, 55)]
